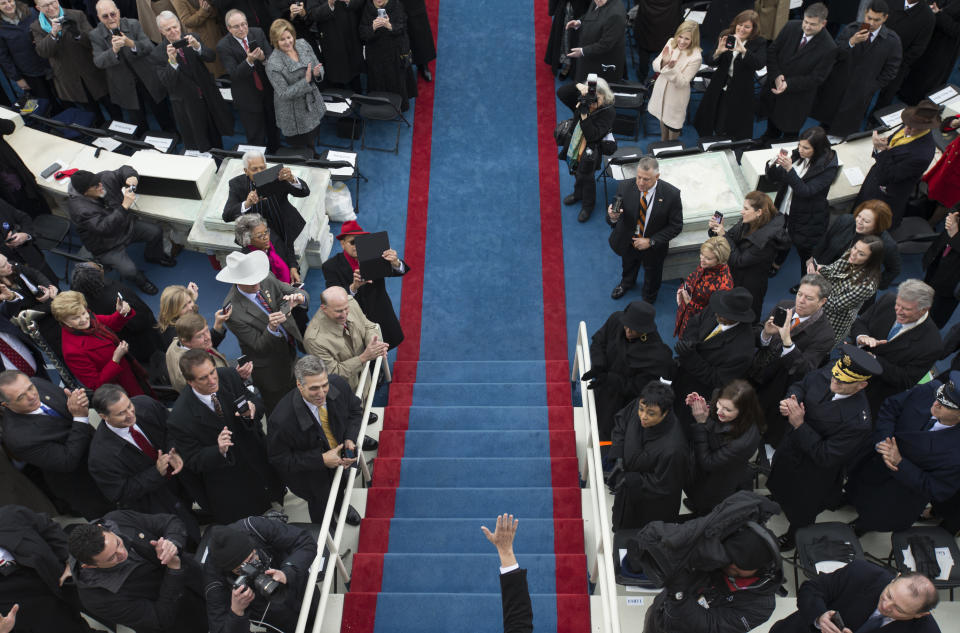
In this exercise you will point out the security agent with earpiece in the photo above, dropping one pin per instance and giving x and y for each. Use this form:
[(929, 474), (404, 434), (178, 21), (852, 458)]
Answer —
[(255, 569), (720, 573)]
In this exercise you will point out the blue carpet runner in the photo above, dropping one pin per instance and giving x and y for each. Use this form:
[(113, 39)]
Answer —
[(445, 468)]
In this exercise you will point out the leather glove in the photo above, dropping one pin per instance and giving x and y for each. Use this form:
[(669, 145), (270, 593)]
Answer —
[(616, 477), (683, 347)]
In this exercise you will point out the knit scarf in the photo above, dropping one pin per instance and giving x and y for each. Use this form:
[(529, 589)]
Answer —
[(45, 23), (354, 263)]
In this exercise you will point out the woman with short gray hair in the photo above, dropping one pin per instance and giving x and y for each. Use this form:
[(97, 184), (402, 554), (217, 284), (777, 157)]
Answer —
[(251, 233)]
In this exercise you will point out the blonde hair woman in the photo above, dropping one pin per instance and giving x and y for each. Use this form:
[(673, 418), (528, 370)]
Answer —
[(677, 64)]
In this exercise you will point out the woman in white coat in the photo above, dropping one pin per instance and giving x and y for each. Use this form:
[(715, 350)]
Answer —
[(677, 64)]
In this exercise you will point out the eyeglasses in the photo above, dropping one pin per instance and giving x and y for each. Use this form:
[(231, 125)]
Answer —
[(262, 235), (112, 14)]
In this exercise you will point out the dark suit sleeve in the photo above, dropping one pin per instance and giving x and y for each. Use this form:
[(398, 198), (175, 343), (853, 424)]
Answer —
[(674, 224), (197, 457), (895, 167), (611, 37), (732, 366), (287, 538), (283, 443), (52, 456), (919, 44), (52, 534), (355, 415), (806, 358), (816, 75), (815, 596), (833, 451), (117, 483), (298, 192), (515, 597)]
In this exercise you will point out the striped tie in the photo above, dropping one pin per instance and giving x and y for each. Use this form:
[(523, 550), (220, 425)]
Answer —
[(642, 215)]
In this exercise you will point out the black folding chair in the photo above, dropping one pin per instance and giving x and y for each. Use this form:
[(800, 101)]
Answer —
[(378, 106)]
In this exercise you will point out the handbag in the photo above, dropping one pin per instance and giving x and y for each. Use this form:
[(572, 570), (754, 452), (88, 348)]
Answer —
[(563, 132)]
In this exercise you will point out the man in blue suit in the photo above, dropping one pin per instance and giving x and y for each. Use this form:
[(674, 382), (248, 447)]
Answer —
[(914, 457), (866, 597)]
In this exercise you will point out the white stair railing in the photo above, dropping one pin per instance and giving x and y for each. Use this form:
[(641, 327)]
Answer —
[(333, 543), (601, 573)]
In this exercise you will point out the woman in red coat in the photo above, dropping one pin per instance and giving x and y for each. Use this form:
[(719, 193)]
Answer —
[(711, 275), (943, 179), (91, 349)]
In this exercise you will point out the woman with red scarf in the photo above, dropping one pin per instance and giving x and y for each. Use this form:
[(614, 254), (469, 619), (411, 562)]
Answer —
[(343, 269), (711, 275), (91, 349), (252, 234)]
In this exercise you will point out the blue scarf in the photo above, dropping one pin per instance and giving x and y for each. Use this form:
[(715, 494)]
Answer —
[(45, 23)]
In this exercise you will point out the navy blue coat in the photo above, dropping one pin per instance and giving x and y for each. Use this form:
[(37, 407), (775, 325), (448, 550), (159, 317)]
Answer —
[(18, 57), (888, 500)]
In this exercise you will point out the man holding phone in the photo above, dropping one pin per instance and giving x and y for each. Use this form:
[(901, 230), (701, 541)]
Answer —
[(861, 598)]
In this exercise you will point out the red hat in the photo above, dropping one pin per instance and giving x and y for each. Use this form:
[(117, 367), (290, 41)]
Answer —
[(350, 228)]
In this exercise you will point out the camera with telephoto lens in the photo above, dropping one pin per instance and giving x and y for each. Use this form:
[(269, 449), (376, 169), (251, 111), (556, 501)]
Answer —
[(253, 575), (589, 99)]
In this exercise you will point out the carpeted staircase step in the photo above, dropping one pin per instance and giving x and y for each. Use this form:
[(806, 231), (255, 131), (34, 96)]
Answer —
[(479, 394), (473, 612), (424, 418), (456, 536), (475, 472), (468, 503), (481, 371), (465, 573), (477, 443)]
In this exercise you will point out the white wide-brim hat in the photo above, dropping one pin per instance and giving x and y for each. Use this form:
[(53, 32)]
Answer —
[(245, 268)]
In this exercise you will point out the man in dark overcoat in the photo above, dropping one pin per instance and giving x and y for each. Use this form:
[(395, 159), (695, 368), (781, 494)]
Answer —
[(915, 27), (308, 431), (626, 353), (339, 32), (201, 114), (131, 76), (652, 460), (913, 457), (50, 430), (901, 159), (941, 264), (133, 460), (35, 566), (651, 215), (600, 47), (242, 52), (867, 60), (830, 422), (798, 61), (898, 330), (717, 346), (787, 353), (421, 36), (225, 448)]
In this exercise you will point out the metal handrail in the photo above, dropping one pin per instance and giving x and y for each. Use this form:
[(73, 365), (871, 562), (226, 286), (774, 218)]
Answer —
[(332, 544), (602, 572)]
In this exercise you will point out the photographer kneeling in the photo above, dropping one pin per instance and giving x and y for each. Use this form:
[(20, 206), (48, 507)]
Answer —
[(592, 106), (256, 568), (720, 572)]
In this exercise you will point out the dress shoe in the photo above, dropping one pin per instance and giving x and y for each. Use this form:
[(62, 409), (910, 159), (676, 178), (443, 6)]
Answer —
[(786, 542), (618, 292), (164, 260), (353, 517), (584, 215), (370, 444), (147, 286), (571, 199), (425, 73)]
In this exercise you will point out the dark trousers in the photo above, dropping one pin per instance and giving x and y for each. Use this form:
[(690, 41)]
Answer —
[(652, 264), (316, 496), (40, 610), (160, 109), (119, 260), (261, 127), (308, 140)]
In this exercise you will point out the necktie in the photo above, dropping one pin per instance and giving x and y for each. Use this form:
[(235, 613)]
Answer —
[(53, 413), (18, 361), (143, 444), (266, 306), (256, 75), (873, 623), (716, 331), (946, 251), (325, 425), (180, 54), (894, 331), (642, 215), (216, 405), (929, 424), (794, 323), (803, 42)]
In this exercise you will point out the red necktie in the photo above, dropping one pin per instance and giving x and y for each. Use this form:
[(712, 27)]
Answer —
[(14, 357), (256, 75), (144, 444), (803, 42)]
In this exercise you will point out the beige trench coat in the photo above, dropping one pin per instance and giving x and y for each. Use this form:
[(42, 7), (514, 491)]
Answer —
[(671, 92)]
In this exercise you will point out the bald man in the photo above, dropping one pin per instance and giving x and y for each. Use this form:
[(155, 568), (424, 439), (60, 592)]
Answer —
[(122, 50), (342, 336)]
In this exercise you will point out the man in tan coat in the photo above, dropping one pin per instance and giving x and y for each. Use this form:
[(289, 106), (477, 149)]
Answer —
[(342, 336)]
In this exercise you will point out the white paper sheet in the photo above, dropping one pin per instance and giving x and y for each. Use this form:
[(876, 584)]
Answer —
[(338, 107), (227, 94), (696, 16), (123, 128), (908, 559), (252, 148), (162, 144), (953, 104), (943, 95), (197, 154), (669, 148), (616, 171), (106, 143), (854, 176), (350, 157), (834, 139), (946, 562), (892, 119), (708, 144), (762, 72), (829, 566)]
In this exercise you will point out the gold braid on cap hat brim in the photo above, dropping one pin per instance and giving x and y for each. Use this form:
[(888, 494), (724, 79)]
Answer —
[(844, 374)]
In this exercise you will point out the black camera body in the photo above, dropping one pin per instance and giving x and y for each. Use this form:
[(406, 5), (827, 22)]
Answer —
[(253, 575), (181, 43), (589, 99)]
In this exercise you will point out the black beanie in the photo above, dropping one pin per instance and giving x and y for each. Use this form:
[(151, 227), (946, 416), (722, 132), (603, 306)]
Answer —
[(747, 549), (83, 180), (228, 548)]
